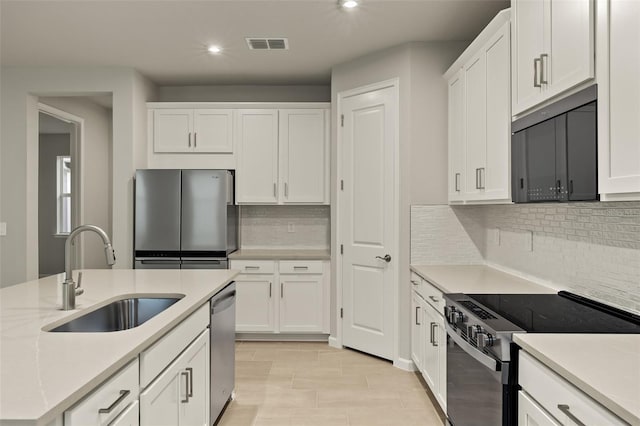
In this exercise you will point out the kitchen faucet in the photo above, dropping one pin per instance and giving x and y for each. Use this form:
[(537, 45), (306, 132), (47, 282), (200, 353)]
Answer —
[(69, 288)]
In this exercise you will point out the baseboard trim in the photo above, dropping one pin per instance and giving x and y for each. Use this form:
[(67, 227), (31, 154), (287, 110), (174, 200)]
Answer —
[(333, 342), (281, 337), (404, 364)]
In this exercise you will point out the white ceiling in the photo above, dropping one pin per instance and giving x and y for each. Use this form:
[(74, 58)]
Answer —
[(166, 40)]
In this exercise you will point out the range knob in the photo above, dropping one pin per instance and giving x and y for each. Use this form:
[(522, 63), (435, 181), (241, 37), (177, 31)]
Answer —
[(455, 316), (472, 331), (484, 340)]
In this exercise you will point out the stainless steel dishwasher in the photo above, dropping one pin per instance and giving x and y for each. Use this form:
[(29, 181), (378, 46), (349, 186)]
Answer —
[(223, 349)]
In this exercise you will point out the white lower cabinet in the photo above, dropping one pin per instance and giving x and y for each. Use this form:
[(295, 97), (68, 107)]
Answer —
[(106, 402), (556, 401), (180, 395), (281, 296), (429, 338), (129, 417)]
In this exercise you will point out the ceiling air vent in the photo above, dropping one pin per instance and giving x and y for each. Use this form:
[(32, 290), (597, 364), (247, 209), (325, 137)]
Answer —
[(268, 43)]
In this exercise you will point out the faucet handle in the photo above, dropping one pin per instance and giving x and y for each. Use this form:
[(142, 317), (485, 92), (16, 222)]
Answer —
[(79, 290)]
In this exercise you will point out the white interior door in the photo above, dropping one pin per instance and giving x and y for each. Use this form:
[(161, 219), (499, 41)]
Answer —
[(367, 220)]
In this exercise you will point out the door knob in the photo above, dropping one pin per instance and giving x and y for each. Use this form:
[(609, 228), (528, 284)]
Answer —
[(386, 258)]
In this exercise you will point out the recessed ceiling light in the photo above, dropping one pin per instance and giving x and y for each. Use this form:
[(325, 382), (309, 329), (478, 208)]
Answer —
[(214, 49), (348, 4)]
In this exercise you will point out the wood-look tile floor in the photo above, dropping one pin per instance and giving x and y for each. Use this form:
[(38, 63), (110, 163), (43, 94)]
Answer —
[(312, 384)]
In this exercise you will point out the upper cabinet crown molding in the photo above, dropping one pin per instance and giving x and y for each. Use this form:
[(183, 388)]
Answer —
[(553, 49)]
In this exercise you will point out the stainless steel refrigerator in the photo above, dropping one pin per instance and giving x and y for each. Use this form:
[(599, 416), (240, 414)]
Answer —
[(184, 219)]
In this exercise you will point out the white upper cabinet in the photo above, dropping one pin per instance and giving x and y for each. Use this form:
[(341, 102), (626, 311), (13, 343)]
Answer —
[(283, 156), (257, 172), (619, 100), (553, 49), (193, 130), (304, 156), (480, 118)]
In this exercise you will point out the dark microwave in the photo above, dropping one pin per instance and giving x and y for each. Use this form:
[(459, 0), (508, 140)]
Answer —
[(554, 151)]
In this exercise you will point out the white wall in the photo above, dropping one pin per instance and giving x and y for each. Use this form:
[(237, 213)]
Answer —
[(19, 155), (423, 141), (245, 93), (96, 170)]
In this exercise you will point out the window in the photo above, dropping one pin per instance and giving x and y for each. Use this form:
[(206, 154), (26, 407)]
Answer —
[(64, 194)]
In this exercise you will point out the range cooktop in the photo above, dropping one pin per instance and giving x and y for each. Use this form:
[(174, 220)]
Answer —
[(559, 313)]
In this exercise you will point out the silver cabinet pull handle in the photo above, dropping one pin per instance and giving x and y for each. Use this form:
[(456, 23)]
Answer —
[(481, 173), (417, 309), (433, 334), (190, 370), (536, 61), (123, 395), (415, 282), (269, 290), (542, 63), (281, 290), (303, 268), (195, 139), (457, 182), (565, 409), (433, 299), (386, 258), (286, 189), (477, 179), (274, 189), (186, 391), (189, 139)]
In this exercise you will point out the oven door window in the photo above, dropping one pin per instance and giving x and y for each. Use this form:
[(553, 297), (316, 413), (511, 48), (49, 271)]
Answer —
[(474, 391)]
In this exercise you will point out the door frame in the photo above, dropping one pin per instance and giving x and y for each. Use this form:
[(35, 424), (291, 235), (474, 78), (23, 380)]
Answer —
[(77, 178), (395, 84)]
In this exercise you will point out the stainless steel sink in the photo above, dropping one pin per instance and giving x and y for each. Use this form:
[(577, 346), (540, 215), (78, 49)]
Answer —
[(118, 315)]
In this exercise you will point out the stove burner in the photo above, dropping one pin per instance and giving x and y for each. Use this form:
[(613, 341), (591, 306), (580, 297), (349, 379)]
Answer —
[(477, 310)]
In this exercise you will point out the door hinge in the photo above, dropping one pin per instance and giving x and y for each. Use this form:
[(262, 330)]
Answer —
[(341, 185), (341, 249), (342, 120), (341, 313)]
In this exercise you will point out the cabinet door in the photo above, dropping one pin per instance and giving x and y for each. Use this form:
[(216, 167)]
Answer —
[(417, 339), (255, 303), (130, 416), (528, 17), (213, 130), (531, 414), (160, 402), (430, 359), (456, 137), (475, 125), (304, 156), (195, 362), (301, 303), (569, 44), (172, 130), (496, 178), (619, 100), (257, 173)]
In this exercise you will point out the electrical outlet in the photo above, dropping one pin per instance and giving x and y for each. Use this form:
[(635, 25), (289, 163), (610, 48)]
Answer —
[(3, 229), (291, 227)]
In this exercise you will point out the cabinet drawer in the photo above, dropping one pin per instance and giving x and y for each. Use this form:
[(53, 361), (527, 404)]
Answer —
[(300, 267), (553, 392), (430, 293), (158, 356), (112, 397), (254, 266), (416, 282)]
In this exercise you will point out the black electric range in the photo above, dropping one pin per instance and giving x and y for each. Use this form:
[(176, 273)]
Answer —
[(482, 371)]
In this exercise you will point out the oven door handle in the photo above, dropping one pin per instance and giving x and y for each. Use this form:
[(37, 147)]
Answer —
[(485, 360)]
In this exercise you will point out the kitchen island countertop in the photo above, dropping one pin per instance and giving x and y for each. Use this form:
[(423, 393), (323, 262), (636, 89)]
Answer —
[(42, 373)]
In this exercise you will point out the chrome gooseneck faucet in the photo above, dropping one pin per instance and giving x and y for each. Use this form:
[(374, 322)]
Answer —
[(69, 288)]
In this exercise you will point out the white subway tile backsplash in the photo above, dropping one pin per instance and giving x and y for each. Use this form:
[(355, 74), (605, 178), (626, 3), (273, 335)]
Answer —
[(264, 227)]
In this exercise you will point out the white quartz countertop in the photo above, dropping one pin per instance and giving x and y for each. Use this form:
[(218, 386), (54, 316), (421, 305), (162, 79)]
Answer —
[(472, 279), (604, 366), (286, 254), (42, 373)]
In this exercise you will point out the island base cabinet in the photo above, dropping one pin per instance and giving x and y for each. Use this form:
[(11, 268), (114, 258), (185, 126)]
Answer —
[(105, 403), (130, 416), (180, 395)]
